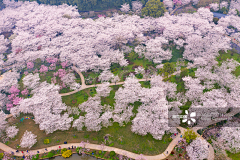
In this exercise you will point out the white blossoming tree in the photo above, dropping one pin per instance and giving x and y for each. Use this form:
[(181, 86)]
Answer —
[(214, 6), (125, 8), (104, 89), (198, 149), (11, 131), (28, 139)]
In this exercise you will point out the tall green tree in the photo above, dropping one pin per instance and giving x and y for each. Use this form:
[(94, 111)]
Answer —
[(168, 68), (154, 8), (189, 135)]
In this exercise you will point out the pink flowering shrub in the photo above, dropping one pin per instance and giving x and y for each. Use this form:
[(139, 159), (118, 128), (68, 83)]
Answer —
[(64, 64), (17, 100), (43, 69), (11, 97), (9, 106), (24, 92), (61, 73), (51, 60), (14, 90), (30, 65), (99, 15), (62, 86), (178, 2), (35, 71), (26, 72), (52, 66), (53, 80)]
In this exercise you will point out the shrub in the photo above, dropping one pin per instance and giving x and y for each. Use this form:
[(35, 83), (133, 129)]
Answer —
[(111, 144), (1, 155), (35, 157), (63, 150), (67, 154), (139, 75), (50, 155), (112, 154), (46, 141)]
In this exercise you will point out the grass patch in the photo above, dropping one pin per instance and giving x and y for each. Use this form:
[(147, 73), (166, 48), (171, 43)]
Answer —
[(230, 54), (233, 156), (145, 84), (176, 54), (109, 100), (75, 99), (121, 137)]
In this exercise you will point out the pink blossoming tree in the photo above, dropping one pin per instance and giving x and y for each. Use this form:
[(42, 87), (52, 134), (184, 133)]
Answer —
[(30, 65), (43, 69)]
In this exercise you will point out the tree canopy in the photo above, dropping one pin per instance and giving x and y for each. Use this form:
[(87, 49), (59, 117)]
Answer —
[(154, 8)]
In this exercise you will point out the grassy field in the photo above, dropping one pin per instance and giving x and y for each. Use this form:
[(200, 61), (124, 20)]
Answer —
[(75, 99), (230, 54), (233, 156), (121, 137), (110, 99)]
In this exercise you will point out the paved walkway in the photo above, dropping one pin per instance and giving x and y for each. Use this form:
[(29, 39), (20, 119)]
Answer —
[(163, 155)]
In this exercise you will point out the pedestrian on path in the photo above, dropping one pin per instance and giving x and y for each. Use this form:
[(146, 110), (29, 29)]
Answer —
[(167, 152)]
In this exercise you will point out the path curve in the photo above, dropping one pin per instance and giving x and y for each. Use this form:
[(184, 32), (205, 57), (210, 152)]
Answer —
[(163, 155)]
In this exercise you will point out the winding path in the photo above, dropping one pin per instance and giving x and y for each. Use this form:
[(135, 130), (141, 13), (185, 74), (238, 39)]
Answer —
[(163, 155)]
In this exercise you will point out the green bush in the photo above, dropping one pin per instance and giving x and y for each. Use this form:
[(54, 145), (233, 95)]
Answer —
[(78, 149), (111, 144), (112, 154), (154, 8), (50, 155), (63, 150), (139, 75), (46, 141), (86, 136), (1, 155), (35, 157)]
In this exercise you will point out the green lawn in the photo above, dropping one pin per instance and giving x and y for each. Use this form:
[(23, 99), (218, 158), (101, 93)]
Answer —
[(121, 137), (110, 99), (145, 84), (75, 99), (233, 156)]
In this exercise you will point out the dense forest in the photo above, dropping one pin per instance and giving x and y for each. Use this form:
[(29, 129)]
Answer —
[(88, 5)]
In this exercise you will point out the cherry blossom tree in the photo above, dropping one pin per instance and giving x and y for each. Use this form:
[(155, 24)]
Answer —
[(184, 2), (28, 139), (31, 81), (24, 92), (104, 89), (69, 80), (11, 131), (3, 44), (136, 6), (214, 6), (195, 89), (229, 137), (43, 69), (223, 4), (155, 52), (79, 123), (125, 7), (168, 4), (3, 100), (30, 65), (115, 79), (198, 149), (9, 79), (235, 4), (106, 75), (3, 122)]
